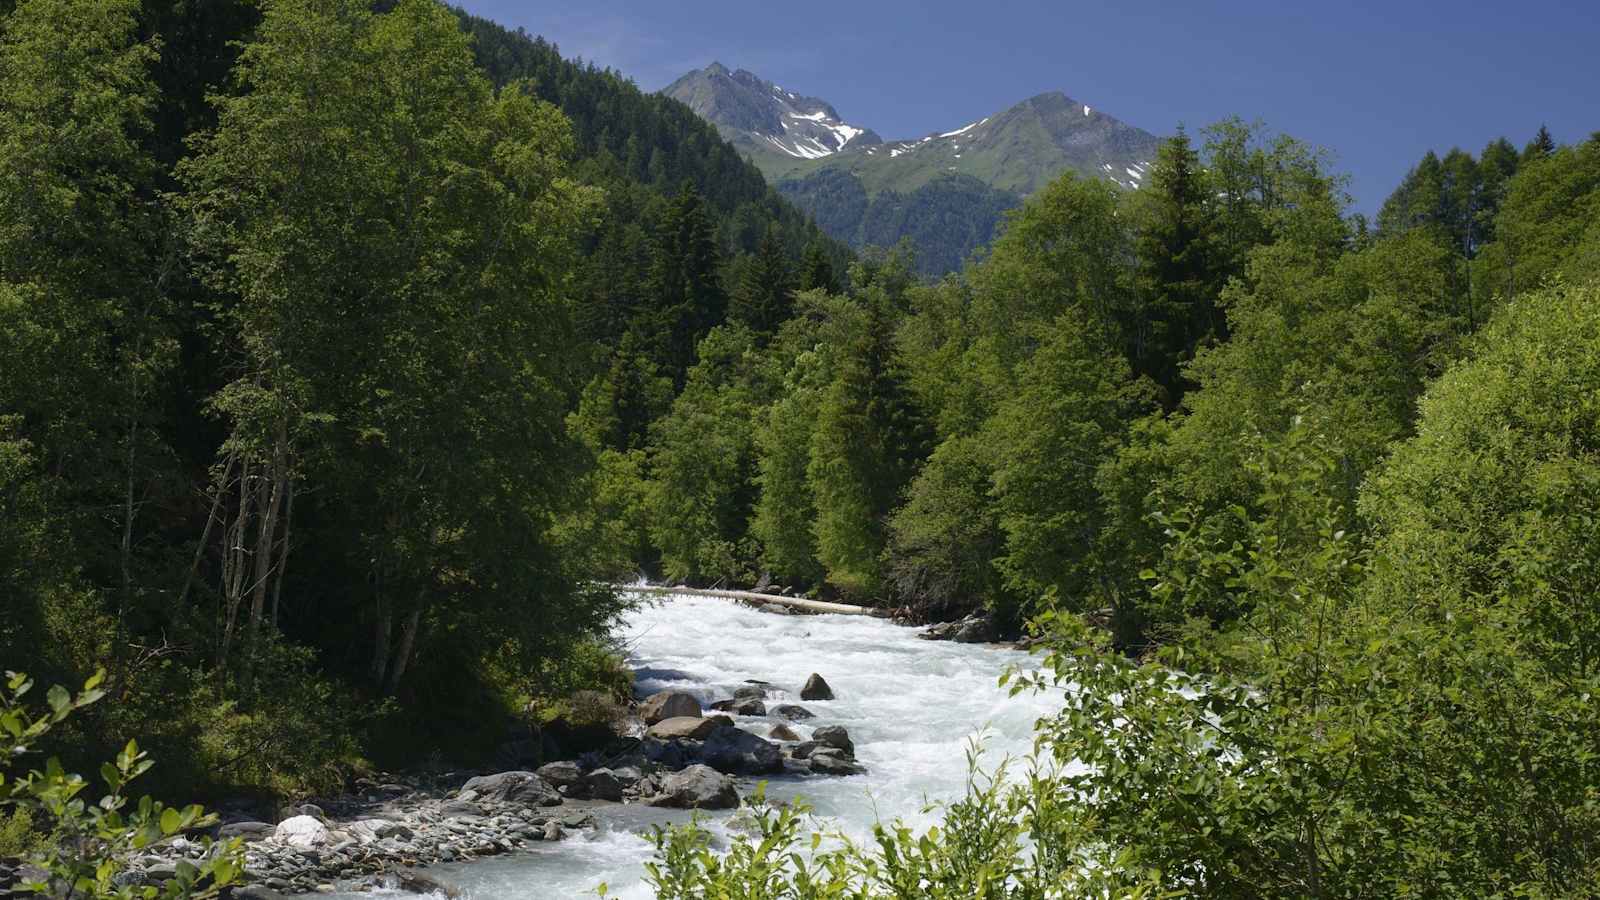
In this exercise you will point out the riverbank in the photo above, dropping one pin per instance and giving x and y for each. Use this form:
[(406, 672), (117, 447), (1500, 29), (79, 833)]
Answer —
[(906, 708), (673, 755)]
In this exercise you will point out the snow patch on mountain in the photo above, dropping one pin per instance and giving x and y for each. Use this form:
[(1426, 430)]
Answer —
[(964, 129)]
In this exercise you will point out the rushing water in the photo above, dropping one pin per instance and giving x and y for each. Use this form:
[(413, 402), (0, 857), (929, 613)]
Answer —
[(911, 706)]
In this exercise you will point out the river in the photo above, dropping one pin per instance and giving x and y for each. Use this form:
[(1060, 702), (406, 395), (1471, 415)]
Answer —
[(911, 707)]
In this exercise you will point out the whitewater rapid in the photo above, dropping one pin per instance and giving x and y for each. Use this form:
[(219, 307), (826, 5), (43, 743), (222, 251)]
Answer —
[(912, 708)]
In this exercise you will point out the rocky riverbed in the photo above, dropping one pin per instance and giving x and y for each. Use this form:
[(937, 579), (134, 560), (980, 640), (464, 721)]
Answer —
[(729, 700), (671, 755)]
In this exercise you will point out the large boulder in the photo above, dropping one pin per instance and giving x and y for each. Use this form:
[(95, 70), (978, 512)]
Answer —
[(793, 712), (603, 784), (748, 706), (835, 736), (668, 705), (697, 787), (560, 775), (304, 832), (750, 692), (738, 752), (975, 630), (525, 788), (666, 754), (816, 689), (678, 727)]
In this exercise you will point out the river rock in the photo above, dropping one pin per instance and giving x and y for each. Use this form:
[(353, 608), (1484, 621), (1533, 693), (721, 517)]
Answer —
[(455, 809), (803, 749), (305, 832), (422, 883), (255, 892), (777, 609), (793, 712), (816, 689), (738, 752), (835, 736), (514, 787), (367, 831), (603, 784), (668, 705), (748, 706), (722, 705), (561, 775), (750, 692), (697, 787), (831, 761), (684, 727), (667, 754), (248, 831), (976, 630), (782, 732)]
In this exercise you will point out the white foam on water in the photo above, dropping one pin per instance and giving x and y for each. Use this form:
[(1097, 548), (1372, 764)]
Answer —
[(911, 707)]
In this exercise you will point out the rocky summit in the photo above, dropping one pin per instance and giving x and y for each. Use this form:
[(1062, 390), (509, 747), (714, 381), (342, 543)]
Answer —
[(946, 190)]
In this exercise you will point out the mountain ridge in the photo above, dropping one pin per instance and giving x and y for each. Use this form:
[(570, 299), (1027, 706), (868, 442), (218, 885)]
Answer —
[(862, 189)]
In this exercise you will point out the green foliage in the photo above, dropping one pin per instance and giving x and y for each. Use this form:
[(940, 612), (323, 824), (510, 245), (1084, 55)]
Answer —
[(869, 436), (1002, 841), (18, 838), (700, 495), (90, 841), (1490, 498), (1180, 272), (764, 296), (1548, 208), (945, 538), (1049, 440), (785, 508)]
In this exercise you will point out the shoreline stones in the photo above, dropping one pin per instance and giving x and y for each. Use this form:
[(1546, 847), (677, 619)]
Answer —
[(669, 705), (694, 728), (378, 836), (696, 787), (974, 629)]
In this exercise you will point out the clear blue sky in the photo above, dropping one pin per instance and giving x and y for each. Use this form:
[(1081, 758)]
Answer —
[(1378, 83)]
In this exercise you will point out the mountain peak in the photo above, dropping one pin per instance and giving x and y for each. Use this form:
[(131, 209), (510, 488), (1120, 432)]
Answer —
[(757, 114)]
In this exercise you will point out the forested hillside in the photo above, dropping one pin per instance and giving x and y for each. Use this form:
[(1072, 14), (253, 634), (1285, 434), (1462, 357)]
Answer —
[(1304, 511), (297, 298), (348, 351)]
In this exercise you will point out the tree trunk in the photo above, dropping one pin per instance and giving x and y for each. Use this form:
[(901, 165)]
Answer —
[(234, 559), (283, 548), (381, 627), (266, 534), (408, 643), (205, 533), (126, 544)]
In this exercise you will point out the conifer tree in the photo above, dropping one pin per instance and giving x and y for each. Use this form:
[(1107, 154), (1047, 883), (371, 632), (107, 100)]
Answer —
[(1540, 147), (816, 273), (764, 295), (1177, 269), (686, 295)]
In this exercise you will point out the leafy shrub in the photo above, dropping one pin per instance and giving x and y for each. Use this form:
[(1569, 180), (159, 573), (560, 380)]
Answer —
[(90, 842)]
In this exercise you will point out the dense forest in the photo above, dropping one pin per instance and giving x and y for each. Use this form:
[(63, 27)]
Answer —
[(347, 353), (297, 299)]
